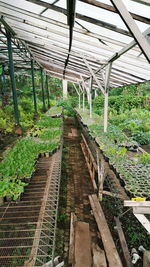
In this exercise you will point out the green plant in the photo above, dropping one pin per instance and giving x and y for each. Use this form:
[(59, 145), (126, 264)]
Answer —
[(19, 163), (141, 138), (144, 158)]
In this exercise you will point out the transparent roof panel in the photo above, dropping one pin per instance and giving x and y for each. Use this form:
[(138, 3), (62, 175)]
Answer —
[(25, 5), (61, 3), (100, 14), (55, 15), (105, 32), (47, 34), (137, 8)]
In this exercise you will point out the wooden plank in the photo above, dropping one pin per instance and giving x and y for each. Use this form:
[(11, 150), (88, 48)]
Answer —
[(99, 259), (89, 168), (144, 221), (108, 243), (72, 237), (141, 210), (93, 160), (82, 245), (130, 203), (146, 259), (123, 243), (74, 132)]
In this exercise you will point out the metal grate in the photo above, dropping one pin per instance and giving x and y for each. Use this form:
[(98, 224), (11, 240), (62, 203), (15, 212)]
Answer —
[(27, 228)]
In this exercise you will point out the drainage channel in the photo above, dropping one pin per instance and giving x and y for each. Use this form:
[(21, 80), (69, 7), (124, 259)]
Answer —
[(27, 227)]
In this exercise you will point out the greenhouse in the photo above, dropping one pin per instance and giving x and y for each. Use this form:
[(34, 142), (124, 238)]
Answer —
[(75, 133)]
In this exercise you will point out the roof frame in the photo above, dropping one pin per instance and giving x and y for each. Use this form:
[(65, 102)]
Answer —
[(82, 17), (133, 28)]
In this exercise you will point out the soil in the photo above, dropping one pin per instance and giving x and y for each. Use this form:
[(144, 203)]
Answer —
[(6, 141), (74, 190), (146, 148)]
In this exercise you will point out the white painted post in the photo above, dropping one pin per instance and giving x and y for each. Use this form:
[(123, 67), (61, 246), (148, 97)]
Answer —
[(78, 92), (79, 101), (90, 95), (65, 89), (83, 99), (107, 78), (105, 111), (95, 91)]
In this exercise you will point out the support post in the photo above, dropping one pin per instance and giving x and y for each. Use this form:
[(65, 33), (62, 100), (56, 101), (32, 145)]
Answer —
[(65, 89), (79, 101), (47, 91), (33, 87), (78, 92), (105, 111), (95, 91), (42, 84), (83, 104), (107, 78), (12, 77), (90, 95)]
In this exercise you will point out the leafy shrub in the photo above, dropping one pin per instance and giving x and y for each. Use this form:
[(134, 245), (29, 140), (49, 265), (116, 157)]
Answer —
[(48, 122), (68, 105), (141, 138), (20, 161), (119, 103), (49, 134)]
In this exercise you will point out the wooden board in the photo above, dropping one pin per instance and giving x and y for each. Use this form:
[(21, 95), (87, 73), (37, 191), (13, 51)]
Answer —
[(130, 203), (146, 259), (83, 256), (108, 243), (123, 243), (72, 238), (99, 259)]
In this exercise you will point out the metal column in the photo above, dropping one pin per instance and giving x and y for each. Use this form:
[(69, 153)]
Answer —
[(12, 76), (47, 91), (42, 84), (33, 86)]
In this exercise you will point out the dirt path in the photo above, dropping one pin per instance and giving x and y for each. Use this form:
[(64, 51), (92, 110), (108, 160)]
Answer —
[(77, 187)]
